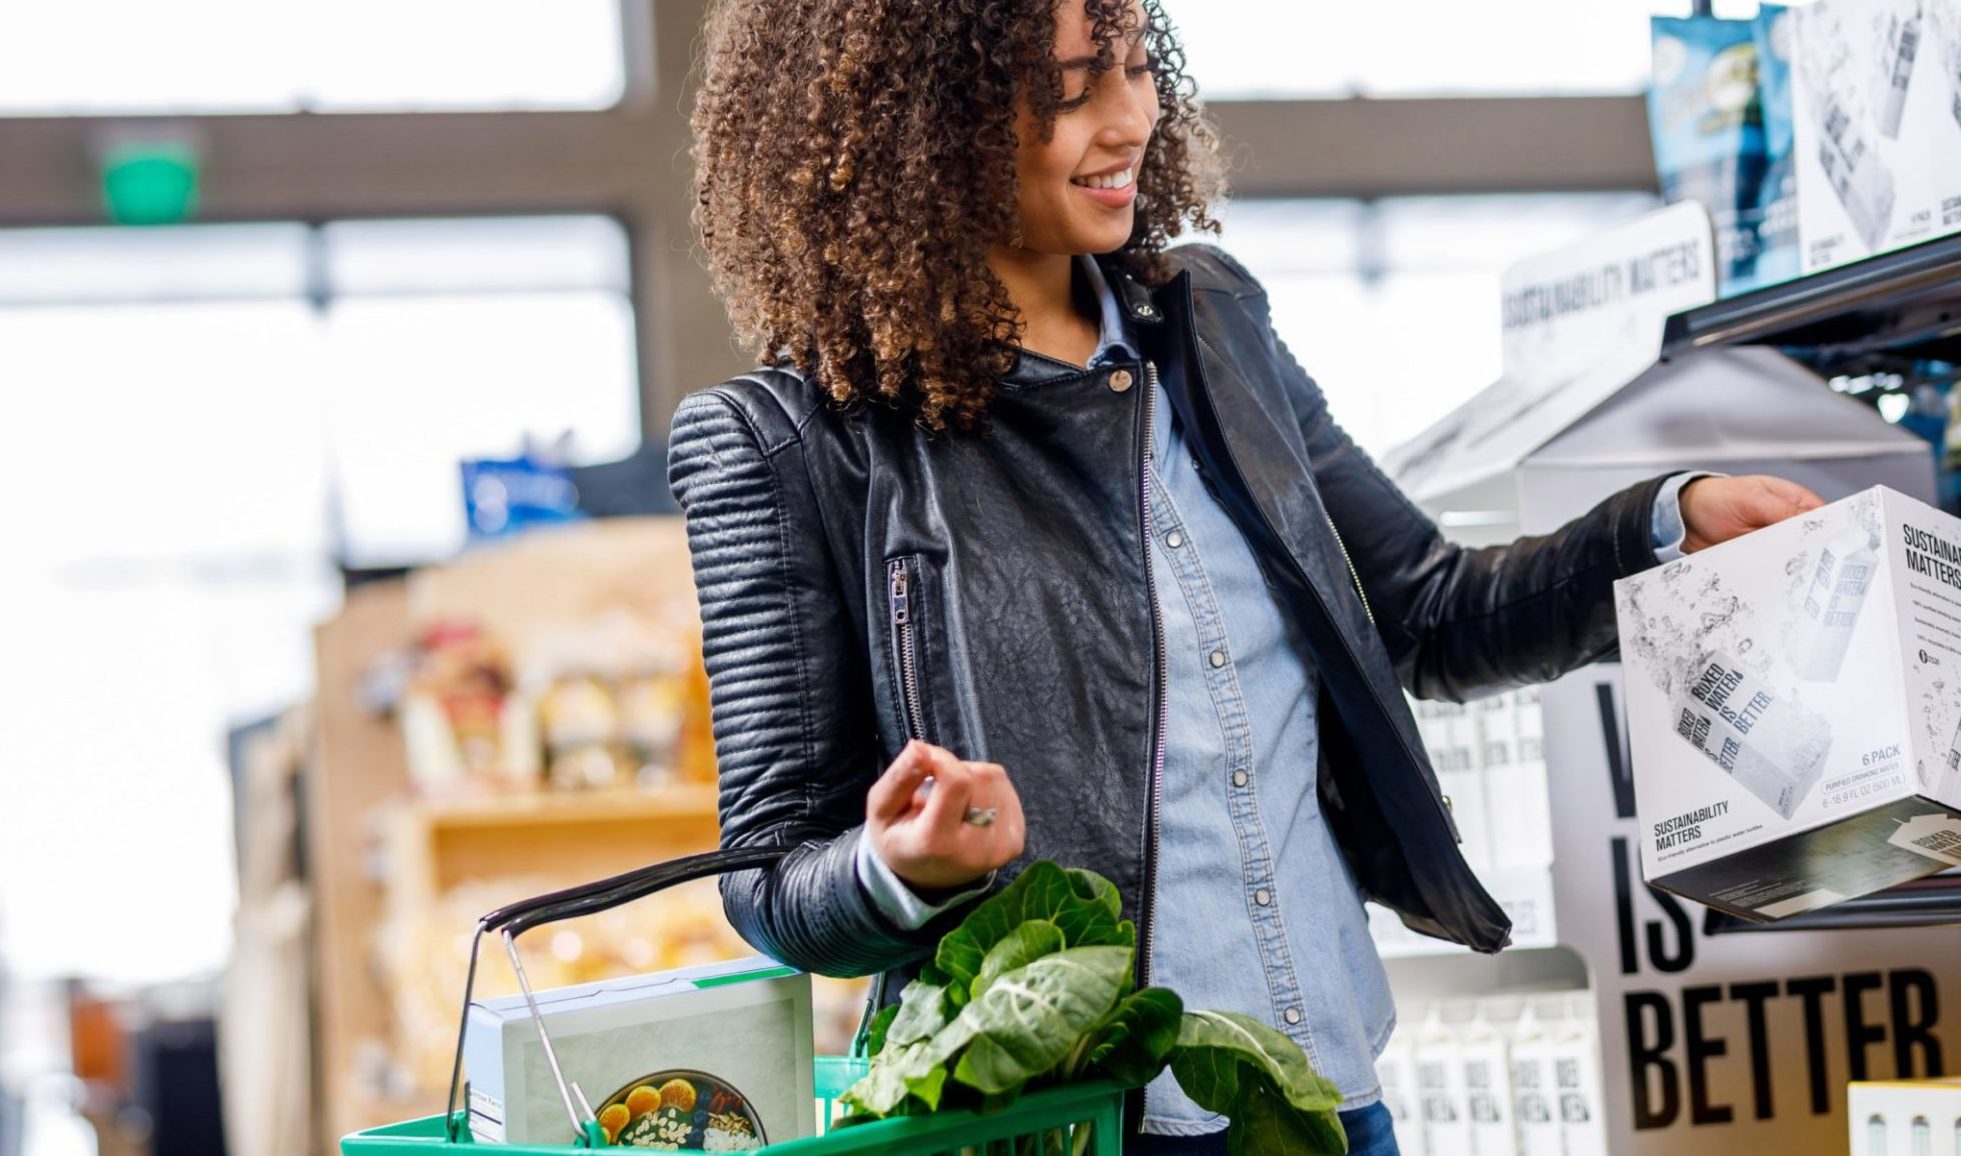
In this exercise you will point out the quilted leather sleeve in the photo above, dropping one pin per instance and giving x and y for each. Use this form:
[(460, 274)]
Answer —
[(1457, 622), (794, 732)]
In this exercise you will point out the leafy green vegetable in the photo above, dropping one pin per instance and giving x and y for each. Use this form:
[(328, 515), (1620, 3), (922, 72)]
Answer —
[(1135, 1040), (1083, 905), (1025, 944), (1260, 1080), (957, 994), (922, 1011), (1263, 1121), (1037, 987), (880, 1025), (883, 1088), (1029, 1018)]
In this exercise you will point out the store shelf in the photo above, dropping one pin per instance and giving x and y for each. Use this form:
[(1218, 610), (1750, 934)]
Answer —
[(1931, 902), (1909, 299), (437, 845), (684, 801)]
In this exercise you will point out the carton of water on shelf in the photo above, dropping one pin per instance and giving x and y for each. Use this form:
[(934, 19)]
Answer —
[(1535, 1089)]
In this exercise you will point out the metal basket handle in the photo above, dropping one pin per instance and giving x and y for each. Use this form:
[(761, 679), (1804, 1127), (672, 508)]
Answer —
[(514, 919)]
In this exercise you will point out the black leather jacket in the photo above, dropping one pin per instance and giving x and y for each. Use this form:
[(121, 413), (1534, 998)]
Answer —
[(862, 582)]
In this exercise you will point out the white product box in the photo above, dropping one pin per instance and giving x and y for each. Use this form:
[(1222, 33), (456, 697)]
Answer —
[(1516, 799), (1575, 1053), (1535, 1088), (1440, 1077), (1396, 1069), (1793, 703), (1453, 736), (1877, 121), (1487, 1046), (716, 1057), (1905, 1117)]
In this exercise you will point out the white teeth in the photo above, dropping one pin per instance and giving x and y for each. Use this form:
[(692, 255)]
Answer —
[(1116, 180)]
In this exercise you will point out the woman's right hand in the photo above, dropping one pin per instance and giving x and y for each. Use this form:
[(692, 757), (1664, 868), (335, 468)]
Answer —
[(920, 829)]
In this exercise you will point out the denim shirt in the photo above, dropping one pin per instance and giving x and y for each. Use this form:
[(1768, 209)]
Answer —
[(1256, 910)]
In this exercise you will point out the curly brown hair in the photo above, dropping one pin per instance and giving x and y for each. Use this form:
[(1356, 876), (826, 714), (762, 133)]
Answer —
[(855, 160)]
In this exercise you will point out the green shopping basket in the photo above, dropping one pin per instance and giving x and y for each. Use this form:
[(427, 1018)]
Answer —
[(1078, 1120)]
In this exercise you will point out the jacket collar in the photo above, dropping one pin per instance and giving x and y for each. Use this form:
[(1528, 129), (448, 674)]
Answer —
[(1143, 308), (1141, 304)]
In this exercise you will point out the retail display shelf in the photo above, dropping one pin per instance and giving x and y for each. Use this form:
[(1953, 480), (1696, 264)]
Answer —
[(1931, 902), (1907, 298), (690, 801)]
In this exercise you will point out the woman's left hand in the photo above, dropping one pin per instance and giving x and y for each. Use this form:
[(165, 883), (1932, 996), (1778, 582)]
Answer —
[(1714, 510)]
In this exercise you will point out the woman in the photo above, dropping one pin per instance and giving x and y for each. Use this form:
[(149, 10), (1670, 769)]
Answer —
[(1029, 505)]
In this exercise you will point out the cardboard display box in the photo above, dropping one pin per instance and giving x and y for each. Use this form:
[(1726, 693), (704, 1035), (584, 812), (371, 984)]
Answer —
[(1793, 702), (715, 1057)]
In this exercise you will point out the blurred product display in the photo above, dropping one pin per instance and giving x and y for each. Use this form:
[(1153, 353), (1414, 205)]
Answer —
[(1816, 135), (505, 498), (618, 703), (146, 1066), (1709, 112), (530, 716), (1507, 1074)]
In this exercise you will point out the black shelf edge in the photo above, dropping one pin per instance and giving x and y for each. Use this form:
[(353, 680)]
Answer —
[(1931, 902), (1907, 296)]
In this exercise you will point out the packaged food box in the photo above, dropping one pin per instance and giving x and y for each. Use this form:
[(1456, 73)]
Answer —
[(1905, 1117), (1793, 703), (714, 1058)]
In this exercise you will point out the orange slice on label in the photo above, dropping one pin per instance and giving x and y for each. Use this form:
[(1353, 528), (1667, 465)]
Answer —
[(678, 1093), (612, 1118), (641, 1101)]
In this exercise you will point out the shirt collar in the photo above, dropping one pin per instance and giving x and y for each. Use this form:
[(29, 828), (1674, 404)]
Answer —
[(1113, 341)]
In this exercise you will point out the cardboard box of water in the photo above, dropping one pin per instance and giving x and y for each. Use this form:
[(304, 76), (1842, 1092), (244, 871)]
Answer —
[(1794, 708), (714, 1058), (1905, 1117)]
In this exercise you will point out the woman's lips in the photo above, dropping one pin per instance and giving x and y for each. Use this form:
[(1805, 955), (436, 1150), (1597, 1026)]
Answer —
[(1114, 197)]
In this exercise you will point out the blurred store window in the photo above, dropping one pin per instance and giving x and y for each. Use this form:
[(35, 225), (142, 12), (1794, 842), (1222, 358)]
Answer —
[(95, 57), (449, 339), (1392, 305), (1250, 49), (201, 420)]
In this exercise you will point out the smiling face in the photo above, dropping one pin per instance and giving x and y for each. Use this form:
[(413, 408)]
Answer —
[(1077, 188)]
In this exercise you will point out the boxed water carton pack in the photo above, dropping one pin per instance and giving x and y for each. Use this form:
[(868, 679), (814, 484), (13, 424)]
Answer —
[(1905, 1117), (1794, 708), (714, 1058)]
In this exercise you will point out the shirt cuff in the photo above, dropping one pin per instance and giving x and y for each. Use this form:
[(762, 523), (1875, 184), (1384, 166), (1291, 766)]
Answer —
[(1665, 523), (897, 901)]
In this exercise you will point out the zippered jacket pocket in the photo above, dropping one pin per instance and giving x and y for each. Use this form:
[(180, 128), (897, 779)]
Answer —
[(905, 602)]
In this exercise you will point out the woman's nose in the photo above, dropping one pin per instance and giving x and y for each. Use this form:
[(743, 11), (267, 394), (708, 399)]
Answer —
[(1133, 113)]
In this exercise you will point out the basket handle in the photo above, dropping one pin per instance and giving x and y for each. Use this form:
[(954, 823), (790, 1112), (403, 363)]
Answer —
[(514, 919)]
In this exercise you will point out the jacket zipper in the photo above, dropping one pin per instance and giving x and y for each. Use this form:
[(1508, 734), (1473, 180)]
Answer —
[(900, 587), (899, 594), (1159, 686), (1353, 576)]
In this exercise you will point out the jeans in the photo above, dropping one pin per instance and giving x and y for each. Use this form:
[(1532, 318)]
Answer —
[(1370, 1130)]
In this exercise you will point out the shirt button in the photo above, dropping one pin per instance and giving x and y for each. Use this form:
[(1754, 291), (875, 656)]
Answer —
[(1263, 897), (1293, 1015), (1120, 380), (1146, 311), (1239, 778), (1218, 658), (1174, 539)]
